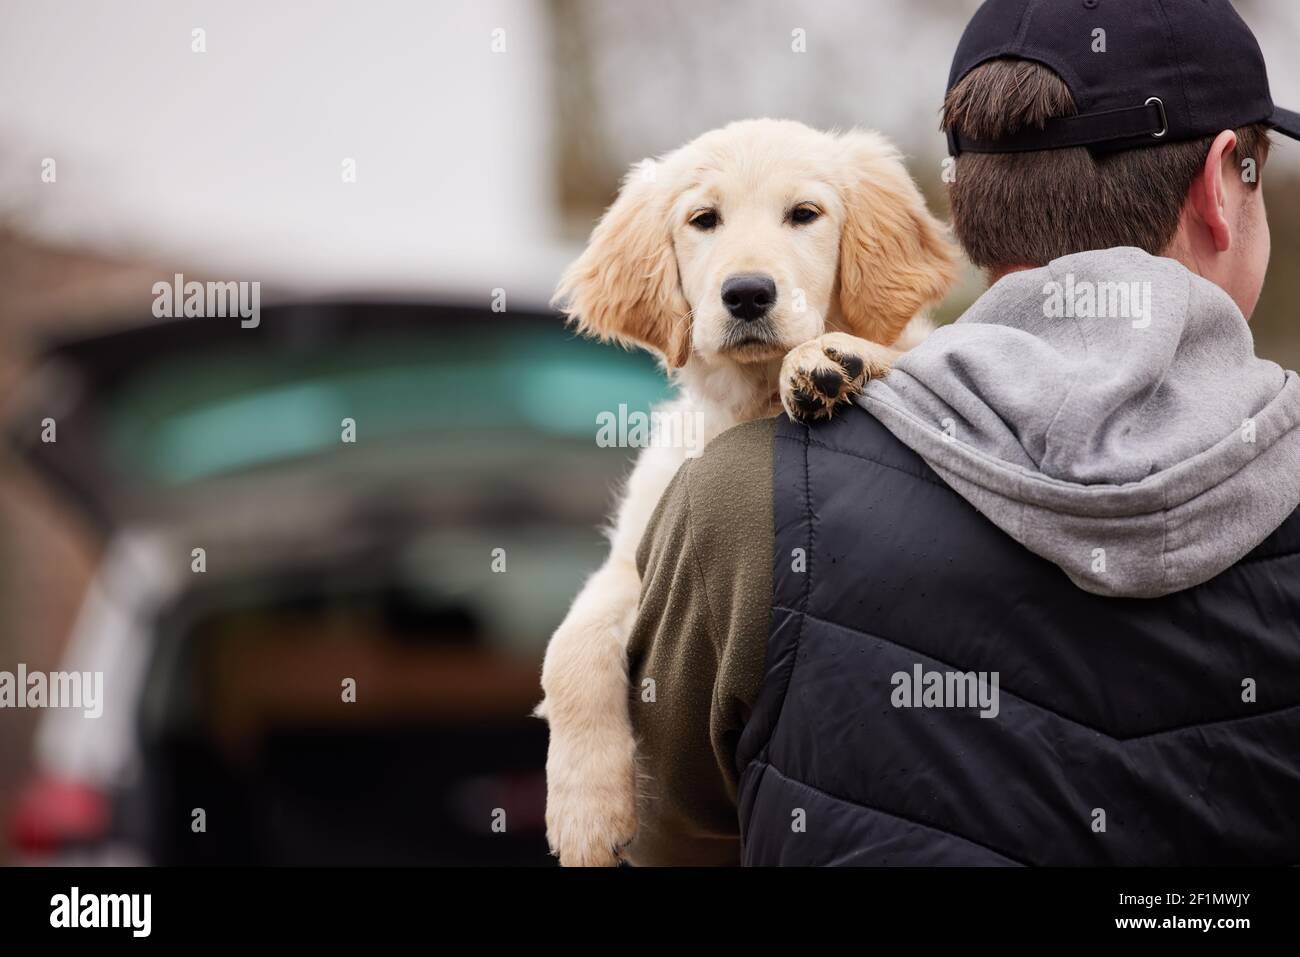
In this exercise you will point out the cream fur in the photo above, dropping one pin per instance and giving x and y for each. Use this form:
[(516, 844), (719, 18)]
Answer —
[(849, 282)]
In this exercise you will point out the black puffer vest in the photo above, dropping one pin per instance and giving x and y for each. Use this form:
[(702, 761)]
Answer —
[(1123, 731)]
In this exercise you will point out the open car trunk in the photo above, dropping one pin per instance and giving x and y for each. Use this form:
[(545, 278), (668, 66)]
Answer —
[(363, 521)]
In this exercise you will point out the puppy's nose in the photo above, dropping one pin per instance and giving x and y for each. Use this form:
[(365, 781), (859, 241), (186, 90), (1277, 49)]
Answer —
[(749, 296)]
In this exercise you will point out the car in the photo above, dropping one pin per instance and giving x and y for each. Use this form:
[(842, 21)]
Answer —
[(335, 545)]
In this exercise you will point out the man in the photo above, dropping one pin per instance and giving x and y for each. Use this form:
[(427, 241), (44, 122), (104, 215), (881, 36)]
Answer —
[(1037, 599)]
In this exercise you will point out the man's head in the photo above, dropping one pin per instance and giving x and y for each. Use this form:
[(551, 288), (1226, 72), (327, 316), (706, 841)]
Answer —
[(1200, 201), (1089, 124)]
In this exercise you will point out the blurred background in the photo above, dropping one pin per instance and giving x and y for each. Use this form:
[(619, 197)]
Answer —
[(429, 559)]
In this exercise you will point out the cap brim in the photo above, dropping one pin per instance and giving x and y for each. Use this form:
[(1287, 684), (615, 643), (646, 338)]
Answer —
[(1286, 121)]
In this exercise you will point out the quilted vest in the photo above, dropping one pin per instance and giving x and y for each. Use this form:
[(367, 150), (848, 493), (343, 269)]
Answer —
[(935, 694)]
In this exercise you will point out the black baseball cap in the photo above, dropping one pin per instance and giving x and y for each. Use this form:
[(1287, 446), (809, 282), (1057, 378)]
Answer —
[(1159, 71)]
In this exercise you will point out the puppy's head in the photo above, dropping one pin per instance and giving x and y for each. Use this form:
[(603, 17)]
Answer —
[(756, 237)]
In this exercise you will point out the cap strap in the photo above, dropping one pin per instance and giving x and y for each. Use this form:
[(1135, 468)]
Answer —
[(1084, 129)]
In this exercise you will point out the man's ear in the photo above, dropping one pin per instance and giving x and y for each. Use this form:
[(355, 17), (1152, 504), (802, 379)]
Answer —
[(1209, 195), (895, 258), (625, 287)]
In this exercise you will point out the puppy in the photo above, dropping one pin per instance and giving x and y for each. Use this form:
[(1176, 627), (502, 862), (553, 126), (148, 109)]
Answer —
[(767, 265)]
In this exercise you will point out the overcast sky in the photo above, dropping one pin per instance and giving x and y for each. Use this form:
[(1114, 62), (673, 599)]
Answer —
[(233, 157)]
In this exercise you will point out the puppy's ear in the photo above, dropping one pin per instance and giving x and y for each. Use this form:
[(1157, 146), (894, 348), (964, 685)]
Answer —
[(624, 287), (895, 258)]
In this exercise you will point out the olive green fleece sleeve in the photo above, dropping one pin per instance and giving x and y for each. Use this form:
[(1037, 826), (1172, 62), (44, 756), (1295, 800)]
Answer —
[(697, 649)]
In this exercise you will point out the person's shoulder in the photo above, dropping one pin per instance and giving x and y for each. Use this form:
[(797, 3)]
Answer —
[(728, 489), (735, 458), (733, 473), (719, 498)]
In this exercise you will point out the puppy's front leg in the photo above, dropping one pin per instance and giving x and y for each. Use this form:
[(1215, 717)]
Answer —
[(826, 372), (590, 763)]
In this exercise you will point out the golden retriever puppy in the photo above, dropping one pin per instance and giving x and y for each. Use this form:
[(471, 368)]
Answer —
[(766, 264)]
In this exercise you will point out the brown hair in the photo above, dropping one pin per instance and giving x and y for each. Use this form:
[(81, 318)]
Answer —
[(1026, 209)]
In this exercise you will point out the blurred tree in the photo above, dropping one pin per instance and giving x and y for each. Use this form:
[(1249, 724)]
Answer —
[(585, 164)]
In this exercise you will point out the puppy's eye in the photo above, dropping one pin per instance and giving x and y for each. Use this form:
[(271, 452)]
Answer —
[(705, 219), (804, 214)]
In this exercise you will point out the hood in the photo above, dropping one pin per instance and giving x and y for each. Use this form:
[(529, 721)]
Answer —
[(1108, 412)]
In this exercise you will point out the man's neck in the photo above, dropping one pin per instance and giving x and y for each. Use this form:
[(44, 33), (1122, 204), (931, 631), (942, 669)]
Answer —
[(1175, 250), (1001, 271)]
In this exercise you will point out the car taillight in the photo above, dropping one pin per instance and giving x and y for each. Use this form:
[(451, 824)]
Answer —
[(53, 814)]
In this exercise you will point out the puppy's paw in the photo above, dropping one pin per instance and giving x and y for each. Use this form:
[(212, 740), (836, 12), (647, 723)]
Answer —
[(590, 796), (825, 373)]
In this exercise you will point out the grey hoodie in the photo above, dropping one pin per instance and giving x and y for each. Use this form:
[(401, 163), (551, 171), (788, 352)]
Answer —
[(1108, 412)]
